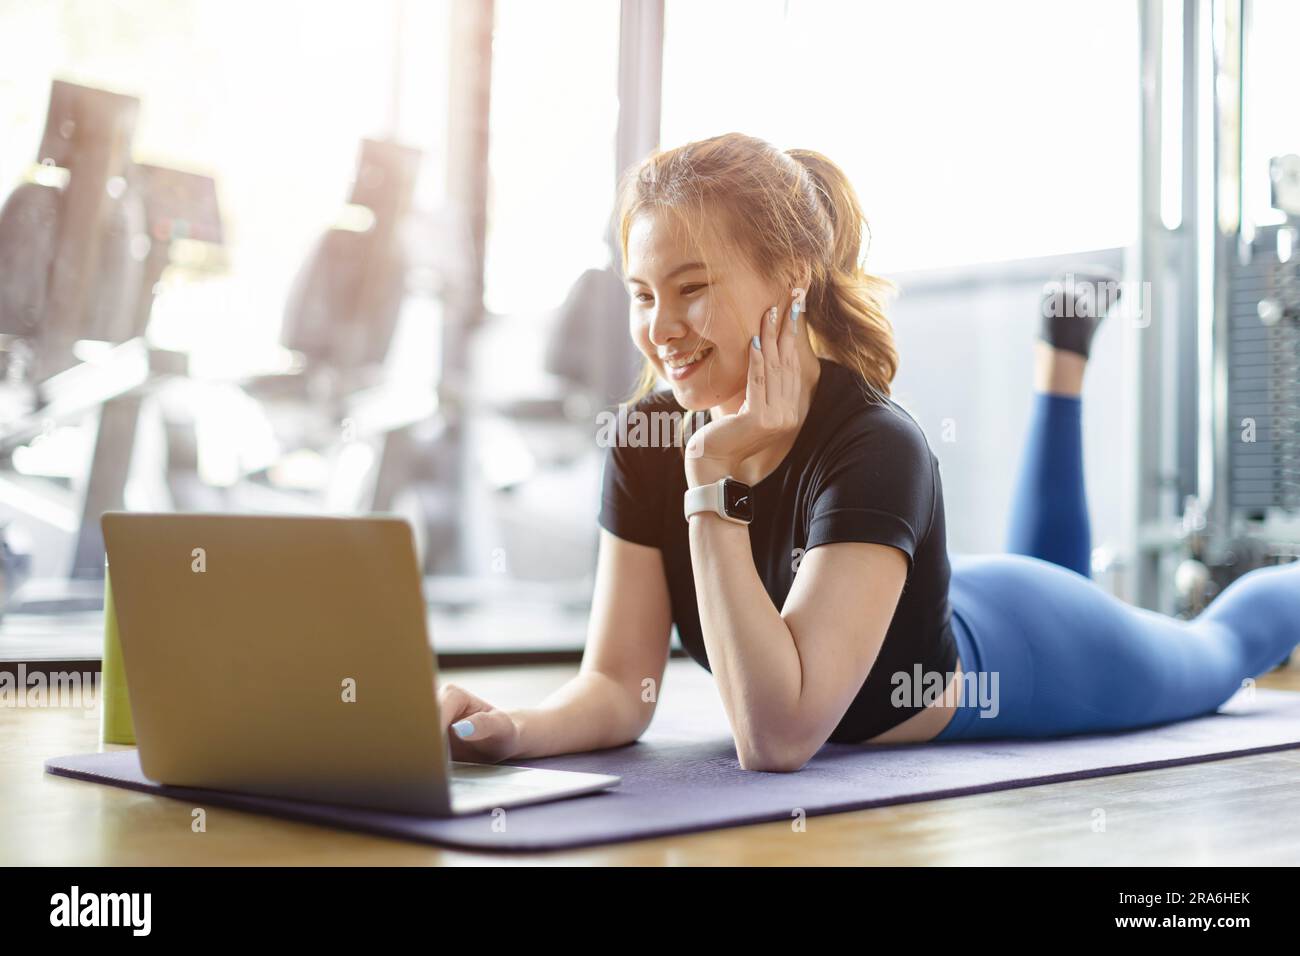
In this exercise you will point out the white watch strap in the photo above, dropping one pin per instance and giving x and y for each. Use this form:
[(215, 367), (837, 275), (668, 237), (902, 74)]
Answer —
[(704, 498)]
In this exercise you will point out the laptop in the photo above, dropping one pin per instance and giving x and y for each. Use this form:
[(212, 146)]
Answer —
[(288, 656)]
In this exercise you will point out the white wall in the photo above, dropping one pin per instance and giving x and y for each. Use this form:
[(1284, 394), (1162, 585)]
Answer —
[(966, 340)]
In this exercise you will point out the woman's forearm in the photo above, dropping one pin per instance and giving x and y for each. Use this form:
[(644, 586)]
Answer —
[(589, 712), (752, 653)]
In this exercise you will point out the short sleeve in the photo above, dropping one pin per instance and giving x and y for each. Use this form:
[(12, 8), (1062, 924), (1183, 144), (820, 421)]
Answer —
[(630, 499), (876, 486)]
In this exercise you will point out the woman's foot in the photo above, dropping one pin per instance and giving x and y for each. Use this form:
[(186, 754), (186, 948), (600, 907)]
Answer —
[(1072, 307)]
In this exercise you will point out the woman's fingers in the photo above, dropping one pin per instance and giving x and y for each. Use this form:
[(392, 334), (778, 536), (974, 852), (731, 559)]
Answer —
[(772, 390), (475, 729), (488, 734), (455, 703), (756, 384), (772, 357), (789, 353), (483, 724)]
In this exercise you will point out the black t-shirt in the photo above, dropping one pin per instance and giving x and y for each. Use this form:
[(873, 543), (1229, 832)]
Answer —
[(858, 471)]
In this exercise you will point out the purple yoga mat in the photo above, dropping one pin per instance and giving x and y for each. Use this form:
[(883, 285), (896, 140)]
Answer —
[(682, 776)]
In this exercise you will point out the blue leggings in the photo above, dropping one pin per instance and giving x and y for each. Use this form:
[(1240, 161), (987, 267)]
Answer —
[(1049, 653)]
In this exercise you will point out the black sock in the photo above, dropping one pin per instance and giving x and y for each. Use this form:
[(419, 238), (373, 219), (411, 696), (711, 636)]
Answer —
[(1073, 306)]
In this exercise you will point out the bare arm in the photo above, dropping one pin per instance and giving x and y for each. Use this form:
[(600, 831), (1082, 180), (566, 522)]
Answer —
[(787, 677), (612, 698)]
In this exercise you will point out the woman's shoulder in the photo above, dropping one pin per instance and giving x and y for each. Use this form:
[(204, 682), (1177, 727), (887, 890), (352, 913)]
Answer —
[(857, 415), (873, 454)]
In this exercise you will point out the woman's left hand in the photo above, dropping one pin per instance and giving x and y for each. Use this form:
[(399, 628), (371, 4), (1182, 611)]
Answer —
[(770, 411)]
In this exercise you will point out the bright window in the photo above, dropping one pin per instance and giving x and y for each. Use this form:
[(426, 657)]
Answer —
[(272, 99), (973, 132), (551, 156)]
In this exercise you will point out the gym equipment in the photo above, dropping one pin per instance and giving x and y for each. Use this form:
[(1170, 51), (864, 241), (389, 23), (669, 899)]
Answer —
[(78, 267), (15, 567), (383, 429), (1227, 293), (344, 305), (72, 239), (1264, 362)]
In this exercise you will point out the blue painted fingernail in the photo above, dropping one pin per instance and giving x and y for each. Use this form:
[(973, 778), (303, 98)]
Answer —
[(755, 343), (463, 728)]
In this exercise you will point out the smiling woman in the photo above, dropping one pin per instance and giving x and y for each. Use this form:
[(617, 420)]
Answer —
[(797, 541), (748, 296), (775, 221), (721, 237), (679, 363)]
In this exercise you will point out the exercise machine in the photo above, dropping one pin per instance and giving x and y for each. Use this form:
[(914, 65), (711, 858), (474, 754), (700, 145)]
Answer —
[(1228, 500), (78, 265)]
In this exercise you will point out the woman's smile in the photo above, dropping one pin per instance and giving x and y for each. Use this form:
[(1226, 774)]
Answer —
[(681, 365)]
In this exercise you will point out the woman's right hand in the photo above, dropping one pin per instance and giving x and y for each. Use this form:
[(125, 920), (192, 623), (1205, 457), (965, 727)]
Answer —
[(477, 731)]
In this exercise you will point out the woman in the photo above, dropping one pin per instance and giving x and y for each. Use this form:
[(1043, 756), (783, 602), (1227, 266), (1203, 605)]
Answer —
[(834, 613)]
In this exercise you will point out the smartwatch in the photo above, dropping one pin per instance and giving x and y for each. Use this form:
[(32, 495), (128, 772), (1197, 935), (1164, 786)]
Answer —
[(728, 498)]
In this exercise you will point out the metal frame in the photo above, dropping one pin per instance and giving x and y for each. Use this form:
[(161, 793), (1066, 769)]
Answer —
[(1193, 264), (469, 101), (1182, 355), (640, 80)]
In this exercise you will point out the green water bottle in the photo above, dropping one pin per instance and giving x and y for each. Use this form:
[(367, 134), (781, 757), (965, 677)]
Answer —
[(115, 724)]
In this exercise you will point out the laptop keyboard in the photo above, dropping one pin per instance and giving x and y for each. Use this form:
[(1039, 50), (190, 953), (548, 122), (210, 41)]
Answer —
[(473, 779)]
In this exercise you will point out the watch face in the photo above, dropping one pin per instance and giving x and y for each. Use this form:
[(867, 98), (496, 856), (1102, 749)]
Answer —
[(737, 500)]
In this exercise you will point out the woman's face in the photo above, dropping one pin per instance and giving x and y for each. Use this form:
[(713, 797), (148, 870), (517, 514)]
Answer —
[(694, 328)]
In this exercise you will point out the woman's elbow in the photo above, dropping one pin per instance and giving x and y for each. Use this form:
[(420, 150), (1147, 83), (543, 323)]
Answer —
[(637, 724), (773, 759)]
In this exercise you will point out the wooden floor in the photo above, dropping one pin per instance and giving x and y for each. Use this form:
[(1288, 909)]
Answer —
[(1240, 811)]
